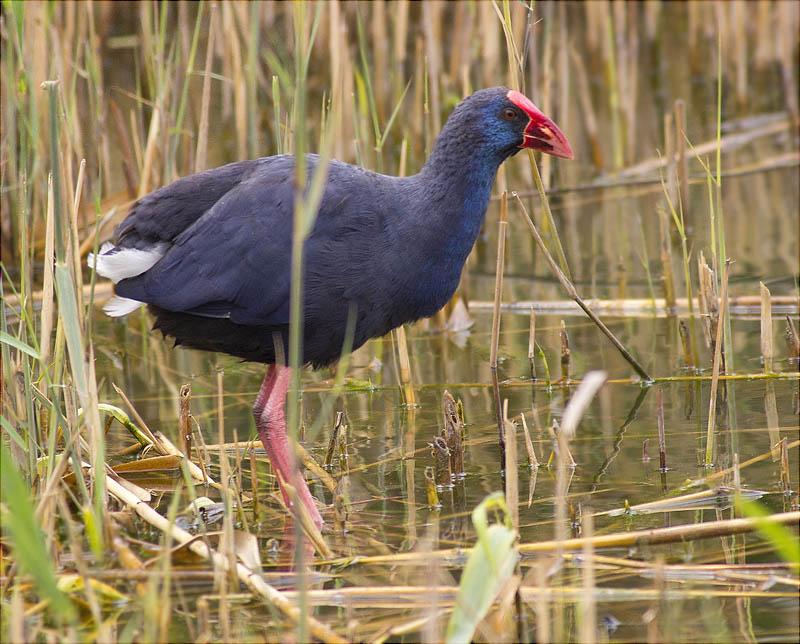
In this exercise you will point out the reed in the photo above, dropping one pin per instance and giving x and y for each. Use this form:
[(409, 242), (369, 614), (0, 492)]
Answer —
[(138, 95)]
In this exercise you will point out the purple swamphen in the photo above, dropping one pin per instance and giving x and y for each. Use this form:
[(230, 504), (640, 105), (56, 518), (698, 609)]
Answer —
[(210, 253)]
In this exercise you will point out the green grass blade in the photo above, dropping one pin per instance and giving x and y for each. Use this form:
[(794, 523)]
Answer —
[(11, 341), (488, 569), (26, 537)]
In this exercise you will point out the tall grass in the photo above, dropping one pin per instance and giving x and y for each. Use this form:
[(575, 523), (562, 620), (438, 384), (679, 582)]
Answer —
[(103, 103)]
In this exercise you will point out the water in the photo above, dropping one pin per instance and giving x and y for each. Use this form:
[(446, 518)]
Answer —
[(388, 449)]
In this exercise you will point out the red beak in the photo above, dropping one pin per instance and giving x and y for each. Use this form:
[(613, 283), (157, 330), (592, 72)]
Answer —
[(540, 133)]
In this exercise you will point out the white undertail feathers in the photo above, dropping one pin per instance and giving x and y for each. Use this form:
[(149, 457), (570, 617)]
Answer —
[(119, 264)]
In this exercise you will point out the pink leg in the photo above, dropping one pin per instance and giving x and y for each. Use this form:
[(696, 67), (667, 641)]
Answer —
[(271, 424)]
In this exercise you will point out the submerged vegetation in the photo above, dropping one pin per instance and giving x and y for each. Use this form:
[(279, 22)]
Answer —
[(676, 225)]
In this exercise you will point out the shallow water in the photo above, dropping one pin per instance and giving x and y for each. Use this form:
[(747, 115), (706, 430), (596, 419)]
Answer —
[(602, 230), (388, 452)]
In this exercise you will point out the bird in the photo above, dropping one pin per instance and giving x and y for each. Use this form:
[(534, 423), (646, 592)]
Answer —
[(210, 254)]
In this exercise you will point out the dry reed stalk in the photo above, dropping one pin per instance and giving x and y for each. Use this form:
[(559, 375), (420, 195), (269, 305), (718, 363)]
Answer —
[(511, 471), (418, 596), (588, 620), (202, 128), (452, 433), (739, 305), (311, 464), (441, 461), (565, 352), (409, 397), (306, 524), (653, 617), (498, 293), (185, 421), (722, 474), (662, 443), (254, 485), (75, 257), (671, 534), (773, 423), (252, 579), (688, 360), (204, 633), (333, 439), (145, 175), (712, 401), (165, 446), (786, 47), (767, 352), (533, 462), (706, 298), (239, 478), (47, 287), (786, 483), (344, 462), (532, 344)]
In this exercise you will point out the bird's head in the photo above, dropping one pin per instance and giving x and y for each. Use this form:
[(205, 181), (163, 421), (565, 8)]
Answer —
[(539, 132), (508, 121)]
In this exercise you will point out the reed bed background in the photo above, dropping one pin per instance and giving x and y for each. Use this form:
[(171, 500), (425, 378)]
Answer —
[(667, 105)]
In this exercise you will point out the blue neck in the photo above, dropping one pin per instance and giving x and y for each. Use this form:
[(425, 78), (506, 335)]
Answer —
[(457, 181)]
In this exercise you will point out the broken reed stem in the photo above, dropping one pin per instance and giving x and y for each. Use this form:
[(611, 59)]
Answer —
[(573, 293), (565, 352), (333, 440), (686, 343), (662, 443), (712, 402), (532, 344), (786, 483), (498, 293), (311, 464), (511, 471), (767, 352), (498, 279), (252, 579), (532, 460), (635, 538), (382, 597), (185, 421), (254, 484), (441, 461), (344, 461), (722, 474), (588, 603), (452, 433), (405, 367)]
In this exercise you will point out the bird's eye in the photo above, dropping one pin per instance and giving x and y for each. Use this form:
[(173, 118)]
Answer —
[(509, 114)]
